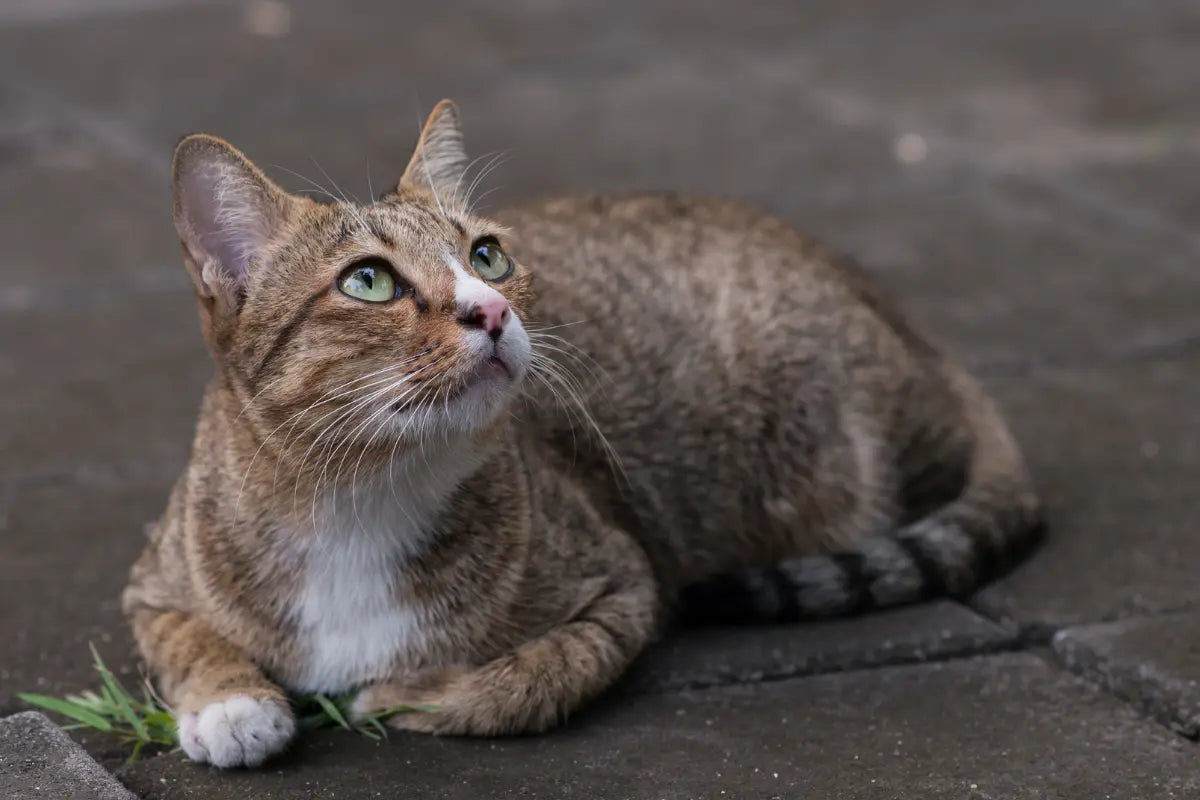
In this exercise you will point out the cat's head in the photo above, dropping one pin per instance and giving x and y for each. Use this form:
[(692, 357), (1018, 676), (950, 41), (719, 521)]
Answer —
[(395, 319)]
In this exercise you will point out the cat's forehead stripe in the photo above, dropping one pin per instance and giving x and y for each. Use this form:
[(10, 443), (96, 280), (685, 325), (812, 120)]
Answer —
[(379, 233)]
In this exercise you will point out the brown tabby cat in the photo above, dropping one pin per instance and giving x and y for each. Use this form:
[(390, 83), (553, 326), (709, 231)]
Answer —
[(369, 507)]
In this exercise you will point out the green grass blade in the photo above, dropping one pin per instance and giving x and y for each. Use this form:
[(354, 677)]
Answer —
[(363, 730), (66, 709), (333, 712), (311, 722), (377, 725), (159, 719), (121, 696)]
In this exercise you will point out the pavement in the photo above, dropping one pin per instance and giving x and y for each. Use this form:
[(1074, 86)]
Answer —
[(1022, 176)]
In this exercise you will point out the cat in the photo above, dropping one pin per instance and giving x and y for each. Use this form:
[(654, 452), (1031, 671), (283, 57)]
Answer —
[(475, 465)]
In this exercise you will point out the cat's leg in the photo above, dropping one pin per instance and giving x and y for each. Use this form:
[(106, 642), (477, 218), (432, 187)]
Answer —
[(229, 714), (539, 683)]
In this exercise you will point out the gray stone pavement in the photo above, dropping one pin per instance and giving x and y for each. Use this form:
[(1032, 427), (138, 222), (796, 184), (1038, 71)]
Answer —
[(38, 760), (1021, 175)]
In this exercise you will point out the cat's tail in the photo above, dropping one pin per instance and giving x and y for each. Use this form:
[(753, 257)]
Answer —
[(951, 551)]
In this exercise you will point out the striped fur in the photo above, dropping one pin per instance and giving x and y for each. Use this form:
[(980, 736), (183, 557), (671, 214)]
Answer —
[(992, 520)]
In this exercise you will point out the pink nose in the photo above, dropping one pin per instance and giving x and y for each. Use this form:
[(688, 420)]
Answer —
[(490, 314)]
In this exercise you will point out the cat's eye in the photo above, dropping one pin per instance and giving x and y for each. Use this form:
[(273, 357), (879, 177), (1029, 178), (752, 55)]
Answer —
[(368, 280), (489, 260)]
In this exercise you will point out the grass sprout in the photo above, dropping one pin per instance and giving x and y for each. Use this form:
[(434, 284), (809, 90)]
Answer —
[(142, 719)]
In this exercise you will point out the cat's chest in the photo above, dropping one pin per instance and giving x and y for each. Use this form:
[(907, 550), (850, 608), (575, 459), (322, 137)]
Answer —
[(352, 616)]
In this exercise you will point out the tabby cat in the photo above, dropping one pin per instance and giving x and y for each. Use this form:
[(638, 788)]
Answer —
[(474, 465)]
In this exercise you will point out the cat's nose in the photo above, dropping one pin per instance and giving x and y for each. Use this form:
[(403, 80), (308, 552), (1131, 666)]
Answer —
[(490, 314)]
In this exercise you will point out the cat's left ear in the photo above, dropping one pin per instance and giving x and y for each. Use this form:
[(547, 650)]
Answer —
[(227, 213), (440, 159)]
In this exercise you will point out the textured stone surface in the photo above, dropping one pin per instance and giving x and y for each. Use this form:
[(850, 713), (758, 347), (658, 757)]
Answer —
[(66, 546), (37, 760), (702, 657), (1155, 662), (107, 382), (1114, 451), (1002, 727)]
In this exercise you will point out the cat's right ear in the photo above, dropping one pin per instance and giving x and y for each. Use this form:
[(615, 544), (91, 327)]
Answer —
[(227, 212)]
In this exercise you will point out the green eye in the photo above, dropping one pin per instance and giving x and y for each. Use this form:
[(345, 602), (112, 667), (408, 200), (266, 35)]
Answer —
[(371, 282), (489, 260)]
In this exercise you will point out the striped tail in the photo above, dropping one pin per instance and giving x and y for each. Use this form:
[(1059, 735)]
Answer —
[(951, 551)]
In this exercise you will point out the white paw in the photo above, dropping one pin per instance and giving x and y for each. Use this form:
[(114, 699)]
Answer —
[(238, 732)]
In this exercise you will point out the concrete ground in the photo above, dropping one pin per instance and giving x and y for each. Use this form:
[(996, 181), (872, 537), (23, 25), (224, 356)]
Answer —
[(1023, 176)]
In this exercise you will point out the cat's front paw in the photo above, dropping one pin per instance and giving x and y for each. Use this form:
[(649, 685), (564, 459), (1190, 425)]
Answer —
[(411, 702), (239, 732)]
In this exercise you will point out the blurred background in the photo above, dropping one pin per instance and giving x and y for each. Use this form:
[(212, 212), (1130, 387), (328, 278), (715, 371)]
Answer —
[(1024, 177)]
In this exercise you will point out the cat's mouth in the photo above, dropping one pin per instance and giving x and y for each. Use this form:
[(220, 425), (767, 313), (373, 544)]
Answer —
[(491, 368)]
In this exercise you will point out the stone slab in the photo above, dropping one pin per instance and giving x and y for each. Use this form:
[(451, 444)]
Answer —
[(1114, 451), (1153, 662), (698, 657), (105, 382), (66, 546), (1000, 727), (81, 227), (1008, 275), (38, 760)]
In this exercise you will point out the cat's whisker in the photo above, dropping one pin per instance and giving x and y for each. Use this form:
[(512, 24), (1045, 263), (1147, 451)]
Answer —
[(352, 207), (464, 205), (492, 156), (391, 403), (325, 398), (374, 383), (285, 448), (343, 417), (446, 416), (535, 328), (497, 161), (317, 187), (424, 425), (340, 199), (558, 399), (396, 440), (550, 369), (346, 445), (389, 409), (563, 372), (258, 394), (330, 430), (484, 196), (577, 356), (327, 454)]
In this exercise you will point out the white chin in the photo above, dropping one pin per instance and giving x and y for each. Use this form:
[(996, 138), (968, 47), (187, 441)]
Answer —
[(483, 402)]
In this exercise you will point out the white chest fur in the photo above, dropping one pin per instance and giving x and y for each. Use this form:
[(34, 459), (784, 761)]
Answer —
[(351, 619)]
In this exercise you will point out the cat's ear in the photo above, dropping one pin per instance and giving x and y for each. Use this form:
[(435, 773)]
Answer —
[(439, 160), (226, 212)]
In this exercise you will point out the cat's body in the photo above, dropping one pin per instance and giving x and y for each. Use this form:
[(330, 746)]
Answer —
[(368, 505)]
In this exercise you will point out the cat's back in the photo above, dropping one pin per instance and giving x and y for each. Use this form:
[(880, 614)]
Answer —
[(685, 276), (709, 341)]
